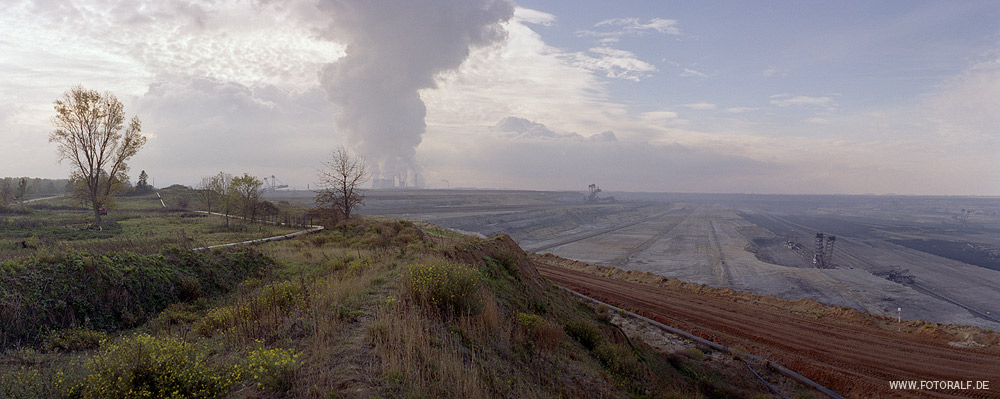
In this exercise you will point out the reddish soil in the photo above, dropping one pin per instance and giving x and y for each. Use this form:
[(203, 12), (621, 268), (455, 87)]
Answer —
[(853, 353)]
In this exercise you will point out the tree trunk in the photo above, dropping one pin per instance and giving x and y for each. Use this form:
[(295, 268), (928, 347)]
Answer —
[(97, 214)]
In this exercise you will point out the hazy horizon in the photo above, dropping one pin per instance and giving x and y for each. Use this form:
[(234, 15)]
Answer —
[(789, 97)]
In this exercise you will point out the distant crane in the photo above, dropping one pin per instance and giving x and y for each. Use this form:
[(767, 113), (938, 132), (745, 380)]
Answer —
[(823, 258), (274, 184), (592, 198)]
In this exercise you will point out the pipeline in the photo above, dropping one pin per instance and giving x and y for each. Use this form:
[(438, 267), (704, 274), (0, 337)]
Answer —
[(312, 229)]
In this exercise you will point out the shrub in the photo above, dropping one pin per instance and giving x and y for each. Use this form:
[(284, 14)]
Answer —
[(113, 290), (272, 369), (585, 333), (73, 339), (268, 304), (449, 287), (543, 332), (619, 359), (148, 367)]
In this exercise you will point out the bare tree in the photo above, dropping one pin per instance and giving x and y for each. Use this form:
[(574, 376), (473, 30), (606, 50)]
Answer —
[(206, 192), (340, 182), (217, 187), (92, 134)]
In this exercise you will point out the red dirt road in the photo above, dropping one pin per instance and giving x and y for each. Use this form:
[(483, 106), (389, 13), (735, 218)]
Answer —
[(854, 358)]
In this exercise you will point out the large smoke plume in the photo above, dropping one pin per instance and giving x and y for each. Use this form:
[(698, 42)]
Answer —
[(394, 49)]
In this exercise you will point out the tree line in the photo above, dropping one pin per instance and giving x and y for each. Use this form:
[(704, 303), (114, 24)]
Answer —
[(96, 139)]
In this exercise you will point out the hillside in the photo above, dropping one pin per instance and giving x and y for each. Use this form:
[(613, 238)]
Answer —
[(370, 308)]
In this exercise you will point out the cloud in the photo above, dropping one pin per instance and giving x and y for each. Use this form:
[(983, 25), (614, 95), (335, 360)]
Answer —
[(738, 110), (633, 27), (535, 17), (818, 121), (658, 115), (201, 126), (785, 100), (701, 106), (493, 161), (615, 63), (691, 72), (393, 52), (526, 129)]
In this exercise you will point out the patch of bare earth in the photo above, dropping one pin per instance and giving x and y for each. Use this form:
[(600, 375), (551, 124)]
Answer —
[(853, 353)]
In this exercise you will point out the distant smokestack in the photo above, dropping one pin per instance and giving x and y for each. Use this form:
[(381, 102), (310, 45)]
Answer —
[(394, 49)]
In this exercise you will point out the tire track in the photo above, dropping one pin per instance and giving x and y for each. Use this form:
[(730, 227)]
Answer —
[(587, 235), (622, 260)]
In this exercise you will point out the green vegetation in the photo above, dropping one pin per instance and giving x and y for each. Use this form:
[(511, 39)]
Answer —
[(368, 308), (137, 223), (111, 291)]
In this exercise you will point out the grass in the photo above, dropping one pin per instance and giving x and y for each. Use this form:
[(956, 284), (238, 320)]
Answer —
[(370, 308), (136, 224)]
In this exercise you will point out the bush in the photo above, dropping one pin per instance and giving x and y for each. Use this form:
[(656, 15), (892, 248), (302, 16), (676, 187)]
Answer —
[(449, 287), (585, 333), (619, 359), (148, 367), (110, 291), (269, 303), (73, 339), (272, 369)]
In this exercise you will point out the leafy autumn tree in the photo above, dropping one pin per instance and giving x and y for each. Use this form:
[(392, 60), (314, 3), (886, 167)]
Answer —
[(340, 182), (247, 191), (94, 137)]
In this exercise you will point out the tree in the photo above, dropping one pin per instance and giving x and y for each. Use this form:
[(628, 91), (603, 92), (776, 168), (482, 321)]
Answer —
[(247, 190), (340, 181), (22, 189), (93, 135), (217, 188), (142, 186), (6, 192), (207, 191)]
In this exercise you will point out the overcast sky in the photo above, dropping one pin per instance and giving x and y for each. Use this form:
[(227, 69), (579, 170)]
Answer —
[(753, 97)]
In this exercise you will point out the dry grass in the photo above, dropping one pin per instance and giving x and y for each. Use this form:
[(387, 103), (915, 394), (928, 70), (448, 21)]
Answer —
[(343, 315)]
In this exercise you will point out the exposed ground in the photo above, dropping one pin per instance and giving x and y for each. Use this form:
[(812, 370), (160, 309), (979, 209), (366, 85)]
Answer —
[(933, 257), (367, 308), (851, 352)]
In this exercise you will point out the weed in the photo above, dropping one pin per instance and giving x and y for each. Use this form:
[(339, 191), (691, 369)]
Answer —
[(272, 369), (452, 288), (620, 359), (146, 366), (585, 333), (73, 339)]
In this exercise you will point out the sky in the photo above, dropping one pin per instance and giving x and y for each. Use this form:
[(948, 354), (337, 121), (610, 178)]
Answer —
[(782, 97)]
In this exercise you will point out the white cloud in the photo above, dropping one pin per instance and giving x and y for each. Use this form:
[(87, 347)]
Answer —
[(529, 16), (525, 129), (615, 63), (818, 121), (701, 106), (691, 72), (738, 110), (658, 115), (785, 100), (632, 26)]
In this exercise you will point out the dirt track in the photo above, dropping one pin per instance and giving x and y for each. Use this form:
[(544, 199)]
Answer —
[(854, 357)]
